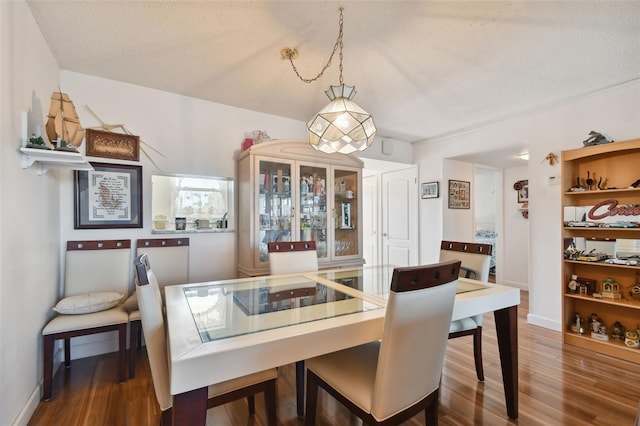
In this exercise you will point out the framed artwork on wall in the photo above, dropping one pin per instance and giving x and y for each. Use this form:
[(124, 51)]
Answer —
[(459, 194), (430, 190), (110, 196), (112, 145), (523, 191)]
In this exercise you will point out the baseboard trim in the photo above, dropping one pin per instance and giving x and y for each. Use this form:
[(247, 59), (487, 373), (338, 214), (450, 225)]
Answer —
[(544, 322), (29, 408)]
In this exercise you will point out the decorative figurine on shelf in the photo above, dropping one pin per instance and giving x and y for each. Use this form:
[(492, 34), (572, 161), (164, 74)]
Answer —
[(36, 142), (573, 284), (578, 187), (617, 331), (304, 187), (610, 289), (598, 328), (310, 184), (631, 339), (319, 186), (589, 181), (634, 291), (595, 138), (576, 325)]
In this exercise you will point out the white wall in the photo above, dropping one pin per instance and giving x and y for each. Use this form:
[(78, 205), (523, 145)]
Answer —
[(485, 198), (36, 212), (614, 112), (193, 137), (457, 224), (515, 268), (387, 149), (29, 215)]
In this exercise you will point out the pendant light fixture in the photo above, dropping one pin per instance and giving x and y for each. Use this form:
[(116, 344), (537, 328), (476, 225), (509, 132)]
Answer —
[(342, 126)]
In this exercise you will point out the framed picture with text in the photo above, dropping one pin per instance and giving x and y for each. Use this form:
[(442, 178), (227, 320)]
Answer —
[(110, 196), (459, 194), (430, 190)]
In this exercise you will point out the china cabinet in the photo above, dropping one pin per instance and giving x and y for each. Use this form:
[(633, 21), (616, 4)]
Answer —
[(288, 191), (601, 239)]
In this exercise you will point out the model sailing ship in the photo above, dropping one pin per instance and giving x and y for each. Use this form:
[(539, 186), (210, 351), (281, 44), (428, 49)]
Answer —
[(63, 125)]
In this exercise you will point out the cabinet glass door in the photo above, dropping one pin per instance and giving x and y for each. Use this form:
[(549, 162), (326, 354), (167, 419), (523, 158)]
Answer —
[(313, 206), (274, 205), (345, 205)]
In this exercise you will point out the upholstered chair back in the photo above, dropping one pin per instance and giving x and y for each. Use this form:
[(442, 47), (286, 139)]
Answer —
[(475, 258), (169, 257), (292, 257), (150, 306), (414, 340), (96, 266)]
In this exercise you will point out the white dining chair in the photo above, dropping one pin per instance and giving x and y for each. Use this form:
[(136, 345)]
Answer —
[(391, 380), (171, 255), (476, 262), (152, 318), (96, 282), (288, 257)]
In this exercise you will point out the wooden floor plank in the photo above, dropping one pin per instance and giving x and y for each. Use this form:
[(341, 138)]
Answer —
[(559, 385)]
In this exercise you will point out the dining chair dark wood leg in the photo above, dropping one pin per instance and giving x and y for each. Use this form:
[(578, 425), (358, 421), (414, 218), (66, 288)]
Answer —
[(251, 401), (312, 400), (270, 402), (195, 407), (67, 352), (166, 418), (135, 334), (48, 367), (122, 352), (477, 353), (300, 388), (431, 411)]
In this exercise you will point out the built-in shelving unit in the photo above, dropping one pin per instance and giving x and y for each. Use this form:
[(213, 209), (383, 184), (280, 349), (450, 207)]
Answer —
[(45, 159), (590, 213)]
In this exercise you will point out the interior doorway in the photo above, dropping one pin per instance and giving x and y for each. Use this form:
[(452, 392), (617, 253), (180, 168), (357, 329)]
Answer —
[(390, 213), (487, 212)]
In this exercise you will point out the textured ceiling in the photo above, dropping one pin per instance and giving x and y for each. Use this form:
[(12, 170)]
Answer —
[(422, 69)]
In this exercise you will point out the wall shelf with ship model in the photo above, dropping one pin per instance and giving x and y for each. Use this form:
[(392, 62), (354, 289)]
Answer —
[(46, 159), (65, 134)]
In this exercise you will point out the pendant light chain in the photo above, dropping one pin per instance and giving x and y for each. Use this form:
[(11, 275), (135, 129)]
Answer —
[(337, 45)]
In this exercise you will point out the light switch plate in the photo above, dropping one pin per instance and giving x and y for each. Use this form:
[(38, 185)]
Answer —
[(554, 180)]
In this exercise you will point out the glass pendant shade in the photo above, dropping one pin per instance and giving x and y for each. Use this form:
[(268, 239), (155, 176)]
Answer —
[(342, 126)]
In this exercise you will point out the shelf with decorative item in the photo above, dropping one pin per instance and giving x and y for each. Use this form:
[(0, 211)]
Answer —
[(46, 159), (524, 209), (601, 245)]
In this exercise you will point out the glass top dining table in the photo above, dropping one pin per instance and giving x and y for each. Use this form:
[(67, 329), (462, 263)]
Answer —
[(233, 308), (221, 330)]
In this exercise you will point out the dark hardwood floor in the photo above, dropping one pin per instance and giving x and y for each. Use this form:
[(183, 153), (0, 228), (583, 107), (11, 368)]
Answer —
[(559, 385)]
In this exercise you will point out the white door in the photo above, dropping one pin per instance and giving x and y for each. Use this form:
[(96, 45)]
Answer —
[(400, 217), (370, 220)]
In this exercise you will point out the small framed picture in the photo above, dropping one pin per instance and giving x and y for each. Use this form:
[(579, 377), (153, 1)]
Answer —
[(430, 190), (523, 191), (110, 196), (459, 194)]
